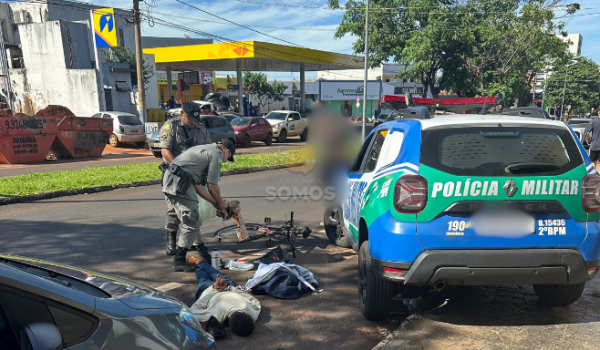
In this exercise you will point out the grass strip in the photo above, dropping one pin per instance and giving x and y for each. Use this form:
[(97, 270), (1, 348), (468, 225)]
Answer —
[(52, 181)]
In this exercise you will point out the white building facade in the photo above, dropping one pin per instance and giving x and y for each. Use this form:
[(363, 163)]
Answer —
[(53, 60)]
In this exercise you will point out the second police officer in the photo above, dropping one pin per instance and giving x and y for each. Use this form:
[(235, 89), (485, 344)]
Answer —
[(176, 136)]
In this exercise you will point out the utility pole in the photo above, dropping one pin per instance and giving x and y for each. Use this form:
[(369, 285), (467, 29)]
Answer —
[(364, 120), (534, 86), (564, 90), (139, 61), (545, 84)]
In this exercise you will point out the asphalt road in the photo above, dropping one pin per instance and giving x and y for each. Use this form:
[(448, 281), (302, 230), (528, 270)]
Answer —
[(121, 233)]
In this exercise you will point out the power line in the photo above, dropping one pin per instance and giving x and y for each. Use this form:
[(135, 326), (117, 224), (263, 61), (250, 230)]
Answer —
[(298, 9), (269, 27), (316, 9), (225, 40), (237, 24), (255, 2)]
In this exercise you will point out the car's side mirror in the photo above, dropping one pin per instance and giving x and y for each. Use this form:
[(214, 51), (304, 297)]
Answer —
[(42, 336), (290, 119), (253, 125)]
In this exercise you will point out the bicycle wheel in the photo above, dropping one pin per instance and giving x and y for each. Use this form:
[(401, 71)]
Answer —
[(228, 234)]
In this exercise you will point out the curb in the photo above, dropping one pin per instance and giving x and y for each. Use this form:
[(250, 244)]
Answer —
[(86, 190), (390, 337)]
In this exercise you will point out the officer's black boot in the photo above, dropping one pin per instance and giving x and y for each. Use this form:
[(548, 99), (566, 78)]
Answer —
[(171, 245), (179, 264), (203, 252)]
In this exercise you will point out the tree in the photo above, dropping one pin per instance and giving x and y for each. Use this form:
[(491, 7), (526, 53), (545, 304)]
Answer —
[(260, 87), (471, 47), (277, 90), (517, 39), (583, 86), (420, 34), (120, 54)]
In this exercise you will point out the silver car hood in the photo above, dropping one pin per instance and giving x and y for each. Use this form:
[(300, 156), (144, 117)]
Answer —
[(134, 295)]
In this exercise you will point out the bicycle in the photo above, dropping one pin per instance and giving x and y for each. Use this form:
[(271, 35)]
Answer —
[(229, 234)]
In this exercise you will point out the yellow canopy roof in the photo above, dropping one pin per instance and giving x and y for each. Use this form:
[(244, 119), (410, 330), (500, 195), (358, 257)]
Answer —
[(254, 55)]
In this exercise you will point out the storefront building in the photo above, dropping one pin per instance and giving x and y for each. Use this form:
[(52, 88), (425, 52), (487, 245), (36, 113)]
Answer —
[(342, 96)]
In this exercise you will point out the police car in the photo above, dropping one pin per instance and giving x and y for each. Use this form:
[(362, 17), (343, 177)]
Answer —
[(471, 200)]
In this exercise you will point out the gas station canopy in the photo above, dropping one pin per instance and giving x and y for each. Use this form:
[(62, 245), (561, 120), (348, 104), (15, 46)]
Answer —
[(253, 56)]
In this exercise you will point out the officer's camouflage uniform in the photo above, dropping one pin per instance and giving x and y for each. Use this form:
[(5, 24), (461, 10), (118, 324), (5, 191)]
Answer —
[(173, 137), (203, 165)]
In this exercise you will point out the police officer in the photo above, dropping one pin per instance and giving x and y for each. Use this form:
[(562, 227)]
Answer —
[(183, 182), (176, 136)]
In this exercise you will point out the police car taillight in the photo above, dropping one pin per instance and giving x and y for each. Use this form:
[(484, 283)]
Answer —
[(590, 194), (410, 194)]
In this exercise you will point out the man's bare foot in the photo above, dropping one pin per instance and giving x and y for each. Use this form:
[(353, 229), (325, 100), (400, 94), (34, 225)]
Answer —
[(193, 260)]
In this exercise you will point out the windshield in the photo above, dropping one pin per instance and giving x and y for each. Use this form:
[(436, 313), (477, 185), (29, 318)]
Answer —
[(129, 120), (61, 278), (488, 151), (580, 121), (241, 122), (276, 116)]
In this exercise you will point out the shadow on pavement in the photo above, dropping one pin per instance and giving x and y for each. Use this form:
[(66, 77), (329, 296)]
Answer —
[(327, 320), (508, 306)]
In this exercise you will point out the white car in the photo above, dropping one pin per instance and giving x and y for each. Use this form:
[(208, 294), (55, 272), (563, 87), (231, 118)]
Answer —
[(287, 123), (126, 128), (173, 112)]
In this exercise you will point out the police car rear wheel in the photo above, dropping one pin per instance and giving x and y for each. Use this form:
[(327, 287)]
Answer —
[(559, 294), (374, 294)]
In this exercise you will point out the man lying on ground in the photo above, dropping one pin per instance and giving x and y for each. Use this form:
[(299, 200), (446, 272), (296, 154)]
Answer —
[(220, 299)]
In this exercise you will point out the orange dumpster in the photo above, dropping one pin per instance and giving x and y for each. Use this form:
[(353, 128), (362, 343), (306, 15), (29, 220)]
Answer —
[(82, 137), (26, 139)]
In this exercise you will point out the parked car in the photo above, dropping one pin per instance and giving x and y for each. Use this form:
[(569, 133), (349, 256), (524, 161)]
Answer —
[(174, 112), (470, 200), (248, 129), (286, 124), (126, 128), (230, 116), (218, 128), (72, 308), (579, 126)]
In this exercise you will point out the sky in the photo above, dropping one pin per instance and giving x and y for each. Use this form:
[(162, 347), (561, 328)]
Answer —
[(312, 28)]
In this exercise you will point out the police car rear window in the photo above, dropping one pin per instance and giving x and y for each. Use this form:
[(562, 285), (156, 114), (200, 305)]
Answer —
[(488, 151)]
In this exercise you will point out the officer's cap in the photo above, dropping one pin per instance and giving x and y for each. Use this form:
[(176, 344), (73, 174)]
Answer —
[(230, 146), (192, 110)]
